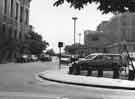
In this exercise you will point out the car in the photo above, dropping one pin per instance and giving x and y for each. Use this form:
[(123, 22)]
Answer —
[(45, 57), (98, 61), (33, 58), (104, 61), (65, 59), (23, 58)]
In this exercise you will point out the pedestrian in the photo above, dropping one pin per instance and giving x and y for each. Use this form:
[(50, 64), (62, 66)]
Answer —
[(125, 60), (131, 74)]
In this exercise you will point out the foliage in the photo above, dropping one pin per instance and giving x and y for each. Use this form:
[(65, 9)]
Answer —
[(9, 48), (50, 52), (33, 36), (106, 6), (34, 43)]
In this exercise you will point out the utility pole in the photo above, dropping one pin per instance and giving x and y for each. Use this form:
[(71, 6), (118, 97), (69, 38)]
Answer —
[(74, 18)]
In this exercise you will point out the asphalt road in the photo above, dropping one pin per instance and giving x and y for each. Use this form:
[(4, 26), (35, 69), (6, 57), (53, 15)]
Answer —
[(19, 81)]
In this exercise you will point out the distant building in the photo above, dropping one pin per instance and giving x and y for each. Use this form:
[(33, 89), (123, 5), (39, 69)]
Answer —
[(110, 34), (120, 27), (96, 41), (14, 19), (102, 26)]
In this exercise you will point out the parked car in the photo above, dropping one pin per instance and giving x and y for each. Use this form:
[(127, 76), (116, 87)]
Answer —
[(99, 62), (23, 58), (33, 58), (65, 59), (105, 61), (45, 57)]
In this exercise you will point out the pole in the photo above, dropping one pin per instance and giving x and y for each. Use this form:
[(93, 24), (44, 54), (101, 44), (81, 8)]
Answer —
[(74, 18), (74, 30), (59, 58), (79, 38)]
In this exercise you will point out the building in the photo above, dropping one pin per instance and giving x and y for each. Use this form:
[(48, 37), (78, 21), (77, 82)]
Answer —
[(14, 20), (96, 41), (102, 26), (120, 27)]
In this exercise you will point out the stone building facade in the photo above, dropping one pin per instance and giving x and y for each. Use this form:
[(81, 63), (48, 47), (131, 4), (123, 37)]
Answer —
[(14, 19), (96, 41), (120, 27)]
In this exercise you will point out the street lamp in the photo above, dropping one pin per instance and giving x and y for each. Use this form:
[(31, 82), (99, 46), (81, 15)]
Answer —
[(74, 18), (80, 38)]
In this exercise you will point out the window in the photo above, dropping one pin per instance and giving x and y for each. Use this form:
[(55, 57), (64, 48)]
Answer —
[(133, 20), (27, 16), (4, 28), (12, 8), (89, 57), (21, 14), (17, 7), (5, 7), (116, 58), (99, 57), (20, 36), (11, 35), (15, 34), (95, 38)]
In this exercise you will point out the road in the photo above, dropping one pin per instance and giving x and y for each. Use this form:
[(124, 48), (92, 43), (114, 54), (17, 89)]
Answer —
[(19, 81)]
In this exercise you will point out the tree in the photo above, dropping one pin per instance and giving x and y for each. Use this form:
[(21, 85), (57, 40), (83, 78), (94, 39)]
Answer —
[(106, 6), (34, 43), (10, 48), (69, 49), (50, 52)]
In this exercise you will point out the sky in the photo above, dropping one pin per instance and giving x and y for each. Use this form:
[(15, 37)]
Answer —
[(55, 24)]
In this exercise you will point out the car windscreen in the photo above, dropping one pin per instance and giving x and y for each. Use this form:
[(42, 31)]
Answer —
[(89, 56)]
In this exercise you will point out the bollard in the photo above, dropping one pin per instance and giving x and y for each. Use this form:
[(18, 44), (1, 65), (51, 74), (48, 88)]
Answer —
[(76, 69), (71, 70), (116, 73), (100, 72), (89, 72)]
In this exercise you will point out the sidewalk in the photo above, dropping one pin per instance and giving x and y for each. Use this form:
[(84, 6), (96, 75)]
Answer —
[(62, 76)]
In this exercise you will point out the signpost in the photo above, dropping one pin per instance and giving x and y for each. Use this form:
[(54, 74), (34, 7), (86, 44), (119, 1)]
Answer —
[(60, 45)]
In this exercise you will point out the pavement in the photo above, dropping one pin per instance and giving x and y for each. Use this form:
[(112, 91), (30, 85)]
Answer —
[(62, 76)]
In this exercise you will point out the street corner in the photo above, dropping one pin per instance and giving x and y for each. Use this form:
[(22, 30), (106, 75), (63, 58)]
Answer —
[(62, 76)]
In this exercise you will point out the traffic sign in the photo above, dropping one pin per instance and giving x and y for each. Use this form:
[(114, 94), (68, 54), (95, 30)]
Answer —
[(60, 44)]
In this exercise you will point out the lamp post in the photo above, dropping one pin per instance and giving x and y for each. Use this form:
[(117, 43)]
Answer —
[(74, 18), (80, 38)]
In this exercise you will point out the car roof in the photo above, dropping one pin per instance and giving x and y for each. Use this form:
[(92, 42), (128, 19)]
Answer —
[(103, 54)]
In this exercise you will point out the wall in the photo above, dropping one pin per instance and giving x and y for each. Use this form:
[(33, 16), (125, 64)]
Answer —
[(10, 24)]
